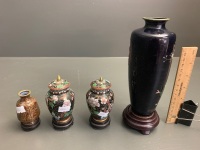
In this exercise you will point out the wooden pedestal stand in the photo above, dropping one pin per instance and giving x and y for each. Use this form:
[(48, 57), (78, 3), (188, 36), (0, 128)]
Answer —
[(143, 124)]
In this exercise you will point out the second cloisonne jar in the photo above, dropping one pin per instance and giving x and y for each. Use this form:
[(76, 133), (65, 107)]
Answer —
[(100, 99), (60, 102)]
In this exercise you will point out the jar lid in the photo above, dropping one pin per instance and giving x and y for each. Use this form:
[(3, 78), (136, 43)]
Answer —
[(59, 84), (100, 84)]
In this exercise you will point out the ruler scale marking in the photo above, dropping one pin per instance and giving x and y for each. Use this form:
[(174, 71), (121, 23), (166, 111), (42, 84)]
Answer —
[(181, 83)]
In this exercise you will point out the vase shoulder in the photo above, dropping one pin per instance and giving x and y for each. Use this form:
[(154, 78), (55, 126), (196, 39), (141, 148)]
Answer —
[(153, 32), (152, 42)]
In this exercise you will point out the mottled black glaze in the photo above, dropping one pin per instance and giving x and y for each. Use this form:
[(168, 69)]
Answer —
[(150, 56)]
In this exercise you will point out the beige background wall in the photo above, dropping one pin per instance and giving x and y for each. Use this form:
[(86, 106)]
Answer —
[(89, 27)]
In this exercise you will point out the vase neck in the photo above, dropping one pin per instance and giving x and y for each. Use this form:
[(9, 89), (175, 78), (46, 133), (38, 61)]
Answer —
[(155, 22), (24, 94)]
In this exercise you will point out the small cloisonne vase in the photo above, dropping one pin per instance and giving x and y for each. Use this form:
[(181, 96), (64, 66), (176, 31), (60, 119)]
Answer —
[(60, 102), (100, 99), (27, 111)]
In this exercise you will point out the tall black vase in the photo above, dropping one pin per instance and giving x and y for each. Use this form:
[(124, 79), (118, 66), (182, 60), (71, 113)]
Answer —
[(150, 56)]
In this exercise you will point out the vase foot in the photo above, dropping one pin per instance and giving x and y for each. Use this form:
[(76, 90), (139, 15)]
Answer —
[(63, 124), (143, 124), (32, 126), (99, 124)]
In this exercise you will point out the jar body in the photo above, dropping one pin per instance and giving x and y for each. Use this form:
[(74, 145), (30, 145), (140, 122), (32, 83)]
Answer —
[(60, 103), (27, 110), (150, 57), (100, 103)]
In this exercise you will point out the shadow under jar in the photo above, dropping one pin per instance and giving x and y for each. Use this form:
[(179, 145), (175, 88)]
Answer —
[(150, 56)]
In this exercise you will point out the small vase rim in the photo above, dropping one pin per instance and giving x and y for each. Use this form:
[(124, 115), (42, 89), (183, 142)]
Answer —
[(156, 18), (24, 93)]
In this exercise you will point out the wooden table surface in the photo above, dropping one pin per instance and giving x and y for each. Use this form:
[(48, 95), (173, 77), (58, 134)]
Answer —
[(35, 74)]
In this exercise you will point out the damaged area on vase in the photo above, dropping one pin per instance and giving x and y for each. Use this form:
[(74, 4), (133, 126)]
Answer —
[(100, 100), (60, 102), (168, 57)]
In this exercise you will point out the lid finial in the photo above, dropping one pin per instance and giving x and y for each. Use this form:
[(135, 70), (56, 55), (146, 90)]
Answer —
[(101, 79), (58, 78)]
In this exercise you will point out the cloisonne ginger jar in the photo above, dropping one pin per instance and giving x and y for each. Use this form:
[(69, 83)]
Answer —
[(100, 99), (60, 102), (27, 111)]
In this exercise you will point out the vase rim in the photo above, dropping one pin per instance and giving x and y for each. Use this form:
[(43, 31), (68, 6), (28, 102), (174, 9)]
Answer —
[(156, 18), (24, 93)]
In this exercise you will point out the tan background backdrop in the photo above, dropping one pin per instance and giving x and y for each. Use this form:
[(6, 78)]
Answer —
[(93, 28)]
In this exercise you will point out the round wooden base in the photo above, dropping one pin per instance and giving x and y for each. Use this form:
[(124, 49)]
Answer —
[(143, 124), (99, 124), (30, 127), (63, 124)]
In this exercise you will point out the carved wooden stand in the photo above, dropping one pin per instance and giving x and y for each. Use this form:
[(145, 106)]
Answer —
[(143, 124), (63, 124), (30, 127), (99, 124)]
